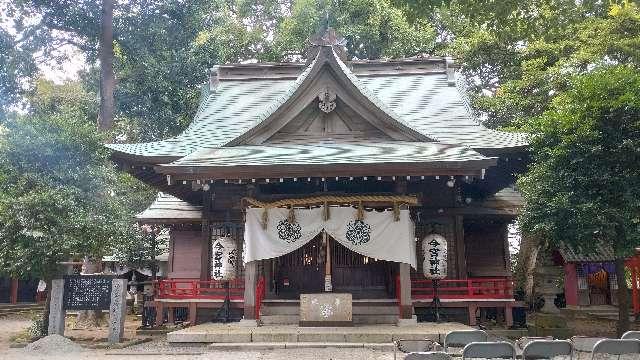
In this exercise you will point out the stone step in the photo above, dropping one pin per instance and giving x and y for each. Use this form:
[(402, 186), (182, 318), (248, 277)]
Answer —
[(280, 319), (279, 310), (370, 319), (268, 310), (375, 310), (298, 345), (20, 309), (367, 319)]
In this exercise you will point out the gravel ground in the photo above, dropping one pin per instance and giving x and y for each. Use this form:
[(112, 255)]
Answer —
[(155, 348), (161, 350), (11, 325)]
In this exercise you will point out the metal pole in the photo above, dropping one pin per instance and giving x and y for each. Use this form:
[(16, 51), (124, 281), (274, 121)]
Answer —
[(436, 299)]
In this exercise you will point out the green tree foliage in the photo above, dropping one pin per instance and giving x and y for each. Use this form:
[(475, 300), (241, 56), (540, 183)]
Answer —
[(584, 186), (164, 48), (59, 197), (373, 29), (522, 53)]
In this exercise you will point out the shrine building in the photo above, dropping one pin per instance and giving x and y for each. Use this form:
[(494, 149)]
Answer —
[(368, 178)]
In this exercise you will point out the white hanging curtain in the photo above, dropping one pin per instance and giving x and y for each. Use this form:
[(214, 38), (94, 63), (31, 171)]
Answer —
[(378, 235)]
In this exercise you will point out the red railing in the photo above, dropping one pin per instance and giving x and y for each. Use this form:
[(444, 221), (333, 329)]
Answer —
[(475, 288), (260, 292), (196, 289)]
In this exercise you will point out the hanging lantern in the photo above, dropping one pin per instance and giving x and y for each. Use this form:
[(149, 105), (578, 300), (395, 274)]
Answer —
[(434, 249), (224, 254)]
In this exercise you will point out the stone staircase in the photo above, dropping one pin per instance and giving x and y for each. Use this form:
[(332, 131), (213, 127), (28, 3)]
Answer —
[(365, 312), (7, 309), (609, 312)]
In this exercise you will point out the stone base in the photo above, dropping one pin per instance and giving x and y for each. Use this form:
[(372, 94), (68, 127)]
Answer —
[(550, 325), (546, 321), (408, 322), (557, 333), (248, 323)]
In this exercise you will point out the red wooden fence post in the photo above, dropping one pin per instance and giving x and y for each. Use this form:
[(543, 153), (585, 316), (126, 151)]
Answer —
[(13, 295)]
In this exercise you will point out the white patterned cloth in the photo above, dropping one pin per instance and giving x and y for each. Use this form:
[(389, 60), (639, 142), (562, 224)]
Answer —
[(377, 236)]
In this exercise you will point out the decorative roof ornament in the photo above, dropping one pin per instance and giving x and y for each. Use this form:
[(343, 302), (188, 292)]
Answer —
[(327, 37), (327, 100)]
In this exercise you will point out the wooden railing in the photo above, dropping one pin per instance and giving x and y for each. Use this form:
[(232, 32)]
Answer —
[(196, 289), (260, 292), (474, 288)]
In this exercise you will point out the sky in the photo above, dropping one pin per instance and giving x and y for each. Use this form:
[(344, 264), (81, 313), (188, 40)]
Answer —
[(68, 69)]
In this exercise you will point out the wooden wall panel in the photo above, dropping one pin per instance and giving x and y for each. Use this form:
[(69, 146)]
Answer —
[(485, 248), (185, 250)]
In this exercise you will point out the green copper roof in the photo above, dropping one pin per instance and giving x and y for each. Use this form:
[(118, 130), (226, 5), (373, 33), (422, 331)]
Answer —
[(333, 153), (422, 102), (170, 208)]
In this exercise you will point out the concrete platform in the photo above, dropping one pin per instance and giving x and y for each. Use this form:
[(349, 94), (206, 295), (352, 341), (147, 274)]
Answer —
[(270, 334)]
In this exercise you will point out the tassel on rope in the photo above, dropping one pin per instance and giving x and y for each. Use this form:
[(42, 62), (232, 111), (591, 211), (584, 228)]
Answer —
[(292, 216), (396, 211), (325, 211), (265, 218), (360, 214)]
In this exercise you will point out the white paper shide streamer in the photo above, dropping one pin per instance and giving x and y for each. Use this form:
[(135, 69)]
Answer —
[(434, 249), (224, 254)]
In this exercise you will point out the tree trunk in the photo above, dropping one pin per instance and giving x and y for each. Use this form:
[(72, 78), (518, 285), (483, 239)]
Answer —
[(623, 298), (529, 250), (107, 76)]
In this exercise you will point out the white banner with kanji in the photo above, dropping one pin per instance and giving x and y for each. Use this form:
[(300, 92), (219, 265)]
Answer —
[(377, 235)]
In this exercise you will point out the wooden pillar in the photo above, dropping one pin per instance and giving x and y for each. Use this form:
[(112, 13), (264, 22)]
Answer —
[(571, 284), (171, 312), (507, 255), (250, 280), (205, 247), (159, 306), (328, 286), (13, 294), (193, 313), (406, 304), (508, 315), (633, 264), (461, 257), (472, 314)]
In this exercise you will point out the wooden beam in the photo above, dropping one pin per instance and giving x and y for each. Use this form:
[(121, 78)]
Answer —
[(443, 168)]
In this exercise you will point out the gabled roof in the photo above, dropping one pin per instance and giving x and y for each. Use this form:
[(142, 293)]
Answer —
[(168, 208), (601, 253), (328, 73), (414, 96)]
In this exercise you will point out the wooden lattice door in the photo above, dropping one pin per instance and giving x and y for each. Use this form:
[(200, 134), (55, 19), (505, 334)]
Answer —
[(362, 276), (301, 271)]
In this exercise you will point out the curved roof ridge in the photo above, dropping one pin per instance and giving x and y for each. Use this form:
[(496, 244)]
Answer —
[(374, 99)]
